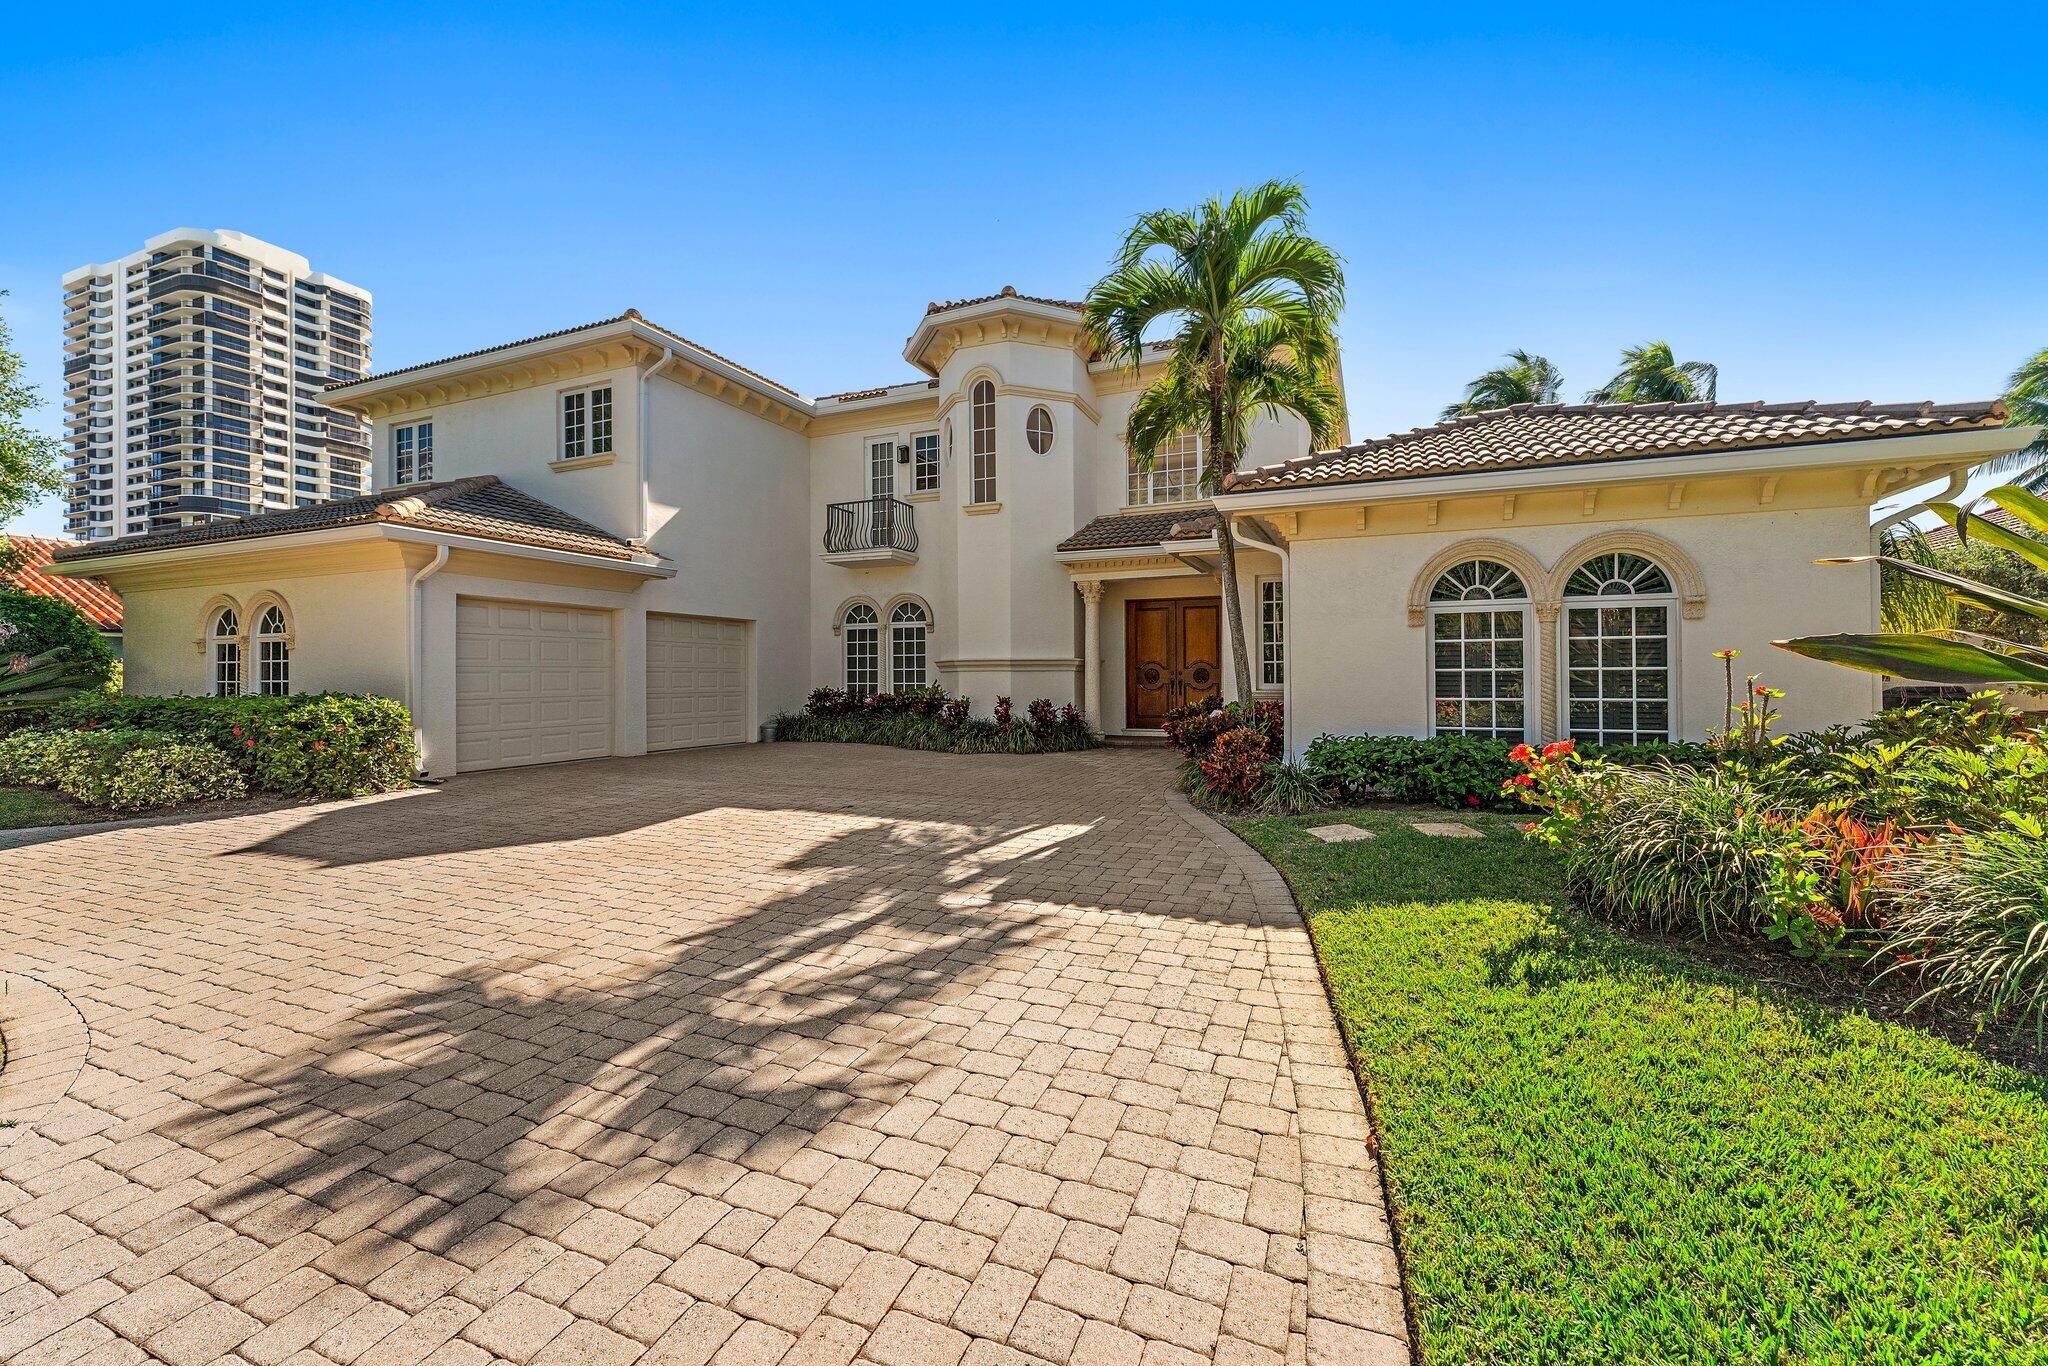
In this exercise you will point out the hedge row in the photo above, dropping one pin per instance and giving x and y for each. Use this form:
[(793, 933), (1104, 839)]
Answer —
[(1449, 770)]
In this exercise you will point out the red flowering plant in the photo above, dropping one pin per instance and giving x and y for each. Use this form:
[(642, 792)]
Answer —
[(1553, 780)]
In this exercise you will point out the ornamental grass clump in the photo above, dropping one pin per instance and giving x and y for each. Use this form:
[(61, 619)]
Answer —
[(1970, 920)]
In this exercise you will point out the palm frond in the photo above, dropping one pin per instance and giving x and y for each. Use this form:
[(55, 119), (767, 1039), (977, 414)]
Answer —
[(1908, 602)]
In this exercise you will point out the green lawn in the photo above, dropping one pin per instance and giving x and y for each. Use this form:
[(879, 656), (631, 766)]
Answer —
[(25, 806), (1606, 1151)]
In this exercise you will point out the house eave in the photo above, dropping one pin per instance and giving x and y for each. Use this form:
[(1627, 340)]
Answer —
[(1929, 451), (93, 566)]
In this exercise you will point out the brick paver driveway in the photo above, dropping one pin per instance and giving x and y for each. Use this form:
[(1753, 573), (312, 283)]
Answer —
[(796, 1053)]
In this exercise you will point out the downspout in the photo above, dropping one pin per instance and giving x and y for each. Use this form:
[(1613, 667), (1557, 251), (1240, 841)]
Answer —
[(668, 355), (419, 639), (1958, 480), (1287, 609)]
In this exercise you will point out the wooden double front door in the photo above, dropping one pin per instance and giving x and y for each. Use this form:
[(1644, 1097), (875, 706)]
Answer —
[(1172, 656)]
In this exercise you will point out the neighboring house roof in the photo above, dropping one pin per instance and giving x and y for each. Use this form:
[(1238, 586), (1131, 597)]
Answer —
[(630, 315), (1122, 530), (1536, 434), (480, 506), (1945, 535), (100, 604), (1008, 292)]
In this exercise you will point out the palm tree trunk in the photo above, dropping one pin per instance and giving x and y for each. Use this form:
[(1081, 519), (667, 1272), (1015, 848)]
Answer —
[(1221, 463)]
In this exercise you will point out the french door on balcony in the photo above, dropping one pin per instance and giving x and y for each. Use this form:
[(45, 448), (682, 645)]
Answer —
[(882, 489)]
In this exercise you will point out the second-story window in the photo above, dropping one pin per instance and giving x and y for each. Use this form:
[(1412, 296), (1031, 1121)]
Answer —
[(924, 462), (1175, 474), (981, 440), (587, 423), (412, 453)]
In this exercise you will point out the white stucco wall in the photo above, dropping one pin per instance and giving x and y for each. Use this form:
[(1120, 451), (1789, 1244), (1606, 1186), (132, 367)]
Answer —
[(1358, 666)]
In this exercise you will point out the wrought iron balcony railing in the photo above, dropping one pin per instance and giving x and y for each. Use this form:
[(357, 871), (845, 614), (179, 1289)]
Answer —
[(870, 524)]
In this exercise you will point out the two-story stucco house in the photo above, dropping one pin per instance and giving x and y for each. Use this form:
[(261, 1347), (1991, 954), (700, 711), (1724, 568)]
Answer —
[(609, 540)]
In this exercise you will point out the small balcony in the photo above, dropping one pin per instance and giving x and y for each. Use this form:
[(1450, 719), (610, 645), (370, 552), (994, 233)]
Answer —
[(870, 532)]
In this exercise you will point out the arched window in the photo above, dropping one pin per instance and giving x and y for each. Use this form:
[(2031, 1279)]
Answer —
[(981, 441), (1617, 649), (1479, 652), (907, 667), (224, 639), (273, 653), (863, 632), (1038, 429)]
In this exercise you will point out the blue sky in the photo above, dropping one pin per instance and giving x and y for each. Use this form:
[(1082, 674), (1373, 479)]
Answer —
[(1828, 203)]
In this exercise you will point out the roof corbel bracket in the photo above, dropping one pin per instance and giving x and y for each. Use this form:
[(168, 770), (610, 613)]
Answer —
[(1507, 507), (1430, 510), (1766, 490), (1588, 502), (1676, 495)]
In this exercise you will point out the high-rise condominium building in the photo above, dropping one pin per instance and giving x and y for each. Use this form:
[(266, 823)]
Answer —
[(193, 372)]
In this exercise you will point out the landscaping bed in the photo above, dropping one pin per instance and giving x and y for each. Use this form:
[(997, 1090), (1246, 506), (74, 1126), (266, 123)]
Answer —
[(1602, 1144), (929, 719), (95, 756)]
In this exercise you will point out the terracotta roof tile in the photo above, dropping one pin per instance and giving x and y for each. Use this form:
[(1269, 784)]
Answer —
[(100, 604), (856, 395), (1008, 292), (1529, 435), (1122, 530), (631, 314), (480, 506), (1945, 535)]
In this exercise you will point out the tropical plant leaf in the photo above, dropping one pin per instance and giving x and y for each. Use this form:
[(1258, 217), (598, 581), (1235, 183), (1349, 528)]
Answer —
[(1975, 527), (1924, 658), (2025, 504), (1969, 590)]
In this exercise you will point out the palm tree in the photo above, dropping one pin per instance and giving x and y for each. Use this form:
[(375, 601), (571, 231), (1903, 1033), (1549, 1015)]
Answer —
[(1651, 374), (1253, 302), (1524, 379), (2026, 402)]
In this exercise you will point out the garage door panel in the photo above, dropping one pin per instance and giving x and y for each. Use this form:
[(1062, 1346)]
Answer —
[(533, 684), (696, 681)]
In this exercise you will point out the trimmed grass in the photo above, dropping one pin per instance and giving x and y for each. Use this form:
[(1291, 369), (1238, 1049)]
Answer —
[(21, 807), (1606, 1150)]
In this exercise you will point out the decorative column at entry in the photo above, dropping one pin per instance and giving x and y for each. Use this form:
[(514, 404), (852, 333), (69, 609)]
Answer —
[(1091, 651)]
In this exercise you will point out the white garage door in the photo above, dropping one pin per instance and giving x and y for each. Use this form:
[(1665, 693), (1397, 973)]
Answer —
[(533, 683), (696, 681)]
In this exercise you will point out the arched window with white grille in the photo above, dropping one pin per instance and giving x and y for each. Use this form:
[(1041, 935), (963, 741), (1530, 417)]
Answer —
[(1479, 652), (224, 649), (862, 632), (981, 441), (273, 653), (1617, 624), (908, 666)]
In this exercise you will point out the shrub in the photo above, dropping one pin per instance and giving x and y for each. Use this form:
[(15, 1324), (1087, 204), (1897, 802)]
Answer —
[(1290, 791), (43, 624), (1234, 769), (1193, 729), (119, 769), (926, 718), (1972, 920), (305, 745), (1455, 771)]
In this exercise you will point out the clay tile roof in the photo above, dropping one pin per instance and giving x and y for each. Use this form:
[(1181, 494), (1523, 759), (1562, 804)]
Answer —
[(100, 604), (630, 315), (479, 506), (1008, 292), (1946, 535), (1121, 530), (1529, 435), (856, 395)]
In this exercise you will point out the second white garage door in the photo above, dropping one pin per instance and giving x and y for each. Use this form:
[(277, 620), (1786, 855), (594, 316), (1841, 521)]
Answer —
[(696, 681), (533, 683)]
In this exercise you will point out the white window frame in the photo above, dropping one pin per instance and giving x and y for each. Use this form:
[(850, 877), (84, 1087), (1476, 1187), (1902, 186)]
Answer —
[(409, 441), (908, 631), (584, 426), (1525, 606), (924, 462), (224, 652), (981, 443), (881, 471), (861, 670), (273, 653), (1166, 483), (1668, 601), (1272, 598)]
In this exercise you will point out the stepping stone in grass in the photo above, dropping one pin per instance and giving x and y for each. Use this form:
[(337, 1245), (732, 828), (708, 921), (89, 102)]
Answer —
[(1455, 830), (1339, 834)]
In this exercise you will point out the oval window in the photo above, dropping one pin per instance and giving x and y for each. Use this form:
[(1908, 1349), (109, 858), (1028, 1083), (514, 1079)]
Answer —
[(1038, 430)]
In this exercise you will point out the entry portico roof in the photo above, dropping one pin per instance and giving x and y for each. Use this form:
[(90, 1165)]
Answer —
[(1530, 435), (481, 506), (1128, 530)]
